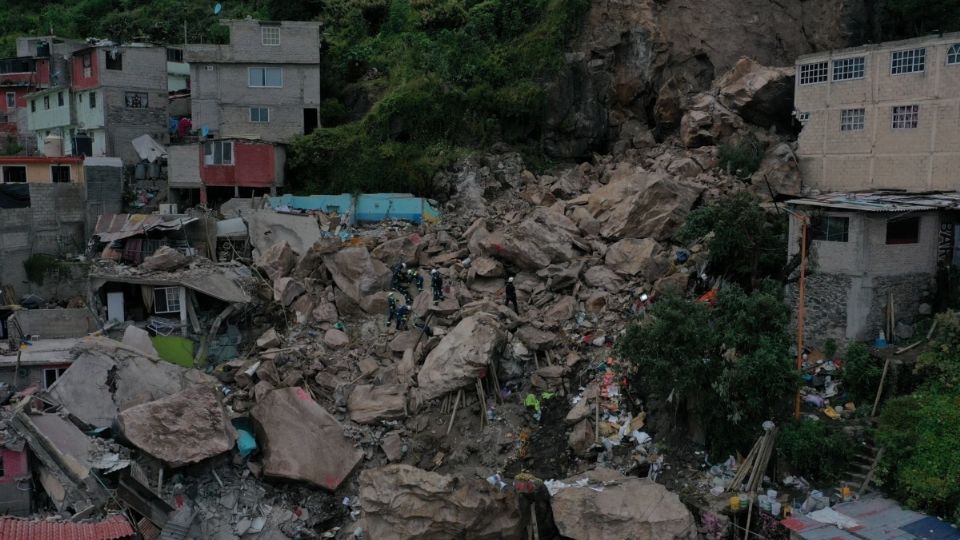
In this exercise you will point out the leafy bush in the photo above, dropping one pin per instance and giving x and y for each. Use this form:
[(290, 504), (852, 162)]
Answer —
[(861, 373), (814, 449), (741, 158), (38, 266), (748, 242), (941, 364), (920, 434)]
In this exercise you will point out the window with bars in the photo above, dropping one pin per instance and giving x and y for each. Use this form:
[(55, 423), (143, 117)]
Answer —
[(953, 54), (270, 35), (852, 119), (166, 300), (908, 61), (813, 73), (136, 100), (11, 100), (830, 228), (848, 68), (905, 117)]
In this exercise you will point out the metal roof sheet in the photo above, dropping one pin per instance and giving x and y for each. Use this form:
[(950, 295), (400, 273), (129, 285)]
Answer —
[(111, 528), (883, 201), (112, 227)]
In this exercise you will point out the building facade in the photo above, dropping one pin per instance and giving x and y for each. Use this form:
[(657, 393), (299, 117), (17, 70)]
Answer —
[(883, 116)]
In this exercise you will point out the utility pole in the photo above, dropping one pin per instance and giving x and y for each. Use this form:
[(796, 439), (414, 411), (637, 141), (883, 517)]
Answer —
[(801, 307)]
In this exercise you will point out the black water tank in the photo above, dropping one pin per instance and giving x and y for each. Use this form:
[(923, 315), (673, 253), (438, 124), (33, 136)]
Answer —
[(43, 49)]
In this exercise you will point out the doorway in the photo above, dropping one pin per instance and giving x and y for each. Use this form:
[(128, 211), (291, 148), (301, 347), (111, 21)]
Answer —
[(311, 121)]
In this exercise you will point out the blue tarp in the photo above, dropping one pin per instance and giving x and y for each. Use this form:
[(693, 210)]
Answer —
[(369, 208)]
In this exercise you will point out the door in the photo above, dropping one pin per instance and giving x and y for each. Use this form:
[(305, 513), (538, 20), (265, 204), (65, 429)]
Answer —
[(310, 121), (115, 306)]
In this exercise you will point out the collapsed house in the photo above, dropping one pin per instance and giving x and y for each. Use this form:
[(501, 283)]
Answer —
[(130, 238)]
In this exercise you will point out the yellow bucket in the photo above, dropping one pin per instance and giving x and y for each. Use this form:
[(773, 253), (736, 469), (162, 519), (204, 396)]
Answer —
[(735, 503)]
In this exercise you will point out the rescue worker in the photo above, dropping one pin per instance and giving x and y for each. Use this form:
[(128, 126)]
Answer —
[(511, 293), (402, 313), (392, 309), (436, 283), (396, 280), (417, 280)]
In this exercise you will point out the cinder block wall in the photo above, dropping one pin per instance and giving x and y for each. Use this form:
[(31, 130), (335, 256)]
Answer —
[(52, 323)]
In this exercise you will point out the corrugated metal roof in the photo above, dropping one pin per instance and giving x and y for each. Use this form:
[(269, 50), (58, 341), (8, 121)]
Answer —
[(111, 528), (883, 201), (112, 227), (878, 518)]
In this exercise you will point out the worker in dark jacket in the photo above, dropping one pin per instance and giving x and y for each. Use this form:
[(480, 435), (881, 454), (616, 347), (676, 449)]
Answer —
[(512, 295), (417, 280), (402, 314), (436, 283), (391, 308)]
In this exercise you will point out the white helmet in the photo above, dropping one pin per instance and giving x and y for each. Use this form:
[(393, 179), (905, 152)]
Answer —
[(510, 280)]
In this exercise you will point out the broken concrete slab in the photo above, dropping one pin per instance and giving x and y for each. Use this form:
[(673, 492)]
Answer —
[(368, 403), (461, 356), (301, 440), (165, 259), (625, 507), (267, 228), (358, 274), (139, 339), (277, 261), (404, 502), (187, 427), (107, 377)]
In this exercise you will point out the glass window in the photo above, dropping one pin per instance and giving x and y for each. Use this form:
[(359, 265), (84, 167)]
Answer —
[(851, 120), (218, 153), (46, 102), (259, 114), (166, 300), (11, 100), (60, 174), (93, 100), (136, 100), (115, 60), (830, 228), (14, 174), (266, 77), (953, 54), (903, 230), (908, 61), (50, 376), (270, 35), (60, 99), (813, 73), (905, 117), (848, 68), (174, 55), (33, 105)]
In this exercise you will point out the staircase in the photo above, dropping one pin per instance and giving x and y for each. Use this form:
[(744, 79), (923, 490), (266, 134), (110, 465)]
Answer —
[(860, 475)]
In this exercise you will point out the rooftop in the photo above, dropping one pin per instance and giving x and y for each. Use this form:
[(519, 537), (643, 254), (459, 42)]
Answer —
[(931, 39), (52, 160), (876, 518), (111, 528), (883, 201)]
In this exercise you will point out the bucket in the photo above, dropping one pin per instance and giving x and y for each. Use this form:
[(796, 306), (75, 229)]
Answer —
[(735, 503), (775, 508)]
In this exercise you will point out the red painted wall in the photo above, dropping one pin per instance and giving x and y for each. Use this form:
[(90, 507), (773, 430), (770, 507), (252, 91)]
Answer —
[(254, 165), (78, 81), (43, 72), (14, 465)]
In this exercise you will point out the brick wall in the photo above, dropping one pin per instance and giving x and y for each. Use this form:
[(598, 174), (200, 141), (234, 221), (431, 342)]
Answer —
[(53, 323)]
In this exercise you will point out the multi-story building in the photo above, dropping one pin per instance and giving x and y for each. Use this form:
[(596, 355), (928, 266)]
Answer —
[(248, 98), (110, 95), (881, 116)]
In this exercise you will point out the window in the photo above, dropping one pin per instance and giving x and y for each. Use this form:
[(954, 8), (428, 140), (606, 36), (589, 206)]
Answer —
[(174, 55), (218, 153), (46, 102), (851, 120), (11, 100), (114, 60), (266, 77), (848, 68), (830, 228), (59, 99), (14, 174), (953, 54), (50, 376), (903, 230), (136, 100), (93, 100), (908, 61), (905, 117), (813, 73), (60, 174), (166, 300), (259, 114), (87, 61), (33, 105), (270, 35)]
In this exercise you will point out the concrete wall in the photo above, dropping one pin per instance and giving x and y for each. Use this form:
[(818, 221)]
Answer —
[(849, 282), (42, 173), (52, 323), (299, 44), (922, 158), (104, 189), (183, 165), (56, 115), (88, 117)]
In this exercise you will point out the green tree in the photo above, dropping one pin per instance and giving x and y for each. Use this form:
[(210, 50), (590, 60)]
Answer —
[(748, 243), (814, 449), (861, 373)]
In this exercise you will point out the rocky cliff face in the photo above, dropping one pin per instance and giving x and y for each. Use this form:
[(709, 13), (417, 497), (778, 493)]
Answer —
[(637, 62)]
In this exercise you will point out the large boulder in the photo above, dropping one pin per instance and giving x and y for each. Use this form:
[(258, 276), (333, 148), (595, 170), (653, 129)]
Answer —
[(461, 356), (287, 289), (543, 238), (165, 259), (403, 249), (601, 277), (357, 274), (311, 264), (707, 122), (403, 502), (368, 404), (276, 261), (639, 204), (761, 95), (301, 440), (612, 505), (632, 256), (186, 427)]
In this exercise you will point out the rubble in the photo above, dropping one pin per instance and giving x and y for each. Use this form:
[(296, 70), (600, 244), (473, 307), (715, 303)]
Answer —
[(301, 440), (461, 357), (184, 428), (632, 256), (611, 505), (277, 261), (165, 259), (404, 502), (368, 404), (358, 276)]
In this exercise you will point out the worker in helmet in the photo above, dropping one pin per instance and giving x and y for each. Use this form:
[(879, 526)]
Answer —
[(511, 293)]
